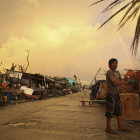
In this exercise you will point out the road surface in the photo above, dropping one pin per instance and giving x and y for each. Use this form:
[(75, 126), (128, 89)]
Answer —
[(60, 118)]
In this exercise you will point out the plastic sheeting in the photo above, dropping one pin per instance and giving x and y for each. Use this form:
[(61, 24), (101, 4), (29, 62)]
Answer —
[(71, 81), (26, 90)]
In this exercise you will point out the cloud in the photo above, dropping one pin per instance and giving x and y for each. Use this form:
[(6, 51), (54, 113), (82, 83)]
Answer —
[(52, 47), (33, 3), (28, 6), (62, 39), (62, 49), (14, 51)]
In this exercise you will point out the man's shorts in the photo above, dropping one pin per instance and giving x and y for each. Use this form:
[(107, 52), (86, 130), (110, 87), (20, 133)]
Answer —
[(113, 105)]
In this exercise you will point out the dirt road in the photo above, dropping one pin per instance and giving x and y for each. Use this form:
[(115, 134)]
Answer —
[(59, 118)]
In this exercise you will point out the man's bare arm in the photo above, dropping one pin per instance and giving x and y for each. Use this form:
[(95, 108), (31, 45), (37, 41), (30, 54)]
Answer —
[(119, 82)]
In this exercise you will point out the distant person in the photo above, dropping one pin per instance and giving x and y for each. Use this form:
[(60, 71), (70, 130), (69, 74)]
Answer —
[(113, 103), (94, 91), (84, 89)]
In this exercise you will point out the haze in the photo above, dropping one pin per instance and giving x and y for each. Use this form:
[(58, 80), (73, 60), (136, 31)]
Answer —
[(63, 38)]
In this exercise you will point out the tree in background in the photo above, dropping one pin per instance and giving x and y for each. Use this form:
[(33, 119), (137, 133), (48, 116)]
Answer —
[(13, 67), (23, 68)]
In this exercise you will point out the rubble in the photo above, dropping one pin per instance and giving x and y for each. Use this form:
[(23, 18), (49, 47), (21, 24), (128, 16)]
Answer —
[(16, 86)]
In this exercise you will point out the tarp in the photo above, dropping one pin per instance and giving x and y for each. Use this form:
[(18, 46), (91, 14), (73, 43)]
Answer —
[(27, 90), (71, 81)]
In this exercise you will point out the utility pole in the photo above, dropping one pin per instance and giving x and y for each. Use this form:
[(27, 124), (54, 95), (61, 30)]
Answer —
[(94, 78)]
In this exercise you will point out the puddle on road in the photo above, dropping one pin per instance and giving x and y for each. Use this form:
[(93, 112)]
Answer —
[(15, 124)]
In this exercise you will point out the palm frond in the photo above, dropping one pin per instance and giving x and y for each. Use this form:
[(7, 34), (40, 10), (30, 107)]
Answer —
[(138, 8), (136, 38), (115, 14), (128, 11), (113, 4), (132, 11), (96, 2), (128, 17)]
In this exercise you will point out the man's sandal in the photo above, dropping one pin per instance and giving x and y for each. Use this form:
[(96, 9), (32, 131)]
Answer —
[(111, 131)]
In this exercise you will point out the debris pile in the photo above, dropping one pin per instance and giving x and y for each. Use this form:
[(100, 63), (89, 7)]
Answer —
[(16, 86)]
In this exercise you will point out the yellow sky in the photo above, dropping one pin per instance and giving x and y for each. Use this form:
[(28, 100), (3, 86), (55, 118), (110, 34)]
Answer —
[(62, 36)]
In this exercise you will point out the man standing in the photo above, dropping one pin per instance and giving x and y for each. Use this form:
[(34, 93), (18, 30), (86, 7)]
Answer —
[(113, 103)]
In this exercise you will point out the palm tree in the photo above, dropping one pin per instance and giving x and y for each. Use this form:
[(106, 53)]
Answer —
[(132, 11)]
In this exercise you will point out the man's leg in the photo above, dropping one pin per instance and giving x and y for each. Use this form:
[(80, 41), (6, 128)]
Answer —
[(118, 112), (121, 126), (108, 124), (109, 113), (120, 123)]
